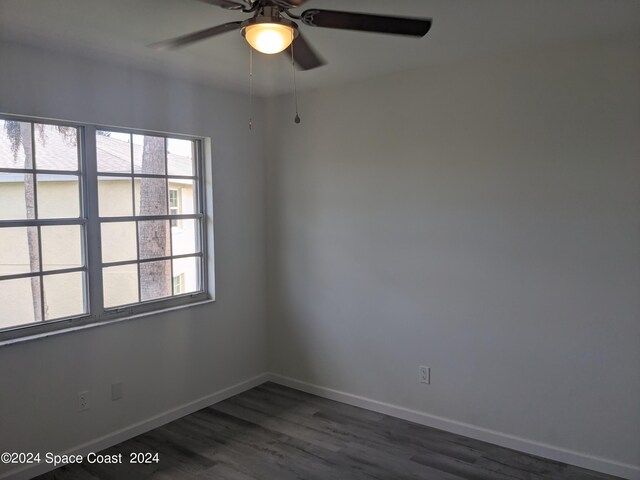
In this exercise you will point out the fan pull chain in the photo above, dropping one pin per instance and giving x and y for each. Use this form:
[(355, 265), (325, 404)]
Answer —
[(250, 87), (295, 86)]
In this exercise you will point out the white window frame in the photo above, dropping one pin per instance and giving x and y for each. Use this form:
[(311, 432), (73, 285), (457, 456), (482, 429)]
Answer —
[(89, 218)]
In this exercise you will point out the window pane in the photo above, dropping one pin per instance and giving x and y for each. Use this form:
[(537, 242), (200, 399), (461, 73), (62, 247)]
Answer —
[(64, 295), (56, 147), (58, 196), (155, 280), (120, 285), (118, 241), (185, 195), (114, 197), (189, 269), (18, 250), (151, 196), (113, 152), (16, 196), (153, 239), (15, 144), (148, 154), (19, 301), (61, 247), (180, 157), (185, 236)]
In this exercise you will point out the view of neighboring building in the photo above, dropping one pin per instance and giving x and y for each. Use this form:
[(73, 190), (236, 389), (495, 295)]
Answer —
[(55, 193)]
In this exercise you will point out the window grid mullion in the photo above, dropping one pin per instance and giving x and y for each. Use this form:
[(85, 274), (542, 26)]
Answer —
[(40, 276), (92, 227), (40, 171), (138, 260), (82, 193), (167, 196), (133, 180), (127, 175), (133, 211), (45, 222), (199, 169), (146, 218), (34, 184), (43, 273), (152, 259)]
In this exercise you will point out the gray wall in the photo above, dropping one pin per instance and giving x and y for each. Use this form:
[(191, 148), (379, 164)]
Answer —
[(480, 218), (167, 360)]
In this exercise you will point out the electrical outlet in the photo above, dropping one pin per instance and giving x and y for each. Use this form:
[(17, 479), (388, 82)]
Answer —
[(83, 400), (424, 375), (116, 391)]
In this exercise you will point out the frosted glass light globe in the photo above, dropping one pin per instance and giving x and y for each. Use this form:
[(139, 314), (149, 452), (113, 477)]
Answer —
[(268, 38)]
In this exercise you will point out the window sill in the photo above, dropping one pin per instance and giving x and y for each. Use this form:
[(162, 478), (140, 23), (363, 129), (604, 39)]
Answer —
[(100, 323)]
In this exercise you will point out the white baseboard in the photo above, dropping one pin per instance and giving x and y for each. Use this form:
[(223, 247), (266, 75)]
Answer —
[(139, 428), (591, 462)]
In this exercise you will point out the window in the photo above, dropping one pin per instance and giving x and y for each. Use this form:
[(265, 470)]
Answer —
[(96, 224), (174, 205), (178, 283)]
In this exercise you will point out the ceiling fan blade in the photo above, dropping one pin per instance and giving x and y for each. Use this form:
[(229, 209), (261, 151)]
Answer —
[(195, 36), (228, 4), (416, 27), (304, 55), (288, 3)]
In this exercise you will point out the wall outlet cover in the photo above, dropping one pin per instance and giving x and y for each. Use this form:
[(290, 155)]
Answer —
[(424, 375)]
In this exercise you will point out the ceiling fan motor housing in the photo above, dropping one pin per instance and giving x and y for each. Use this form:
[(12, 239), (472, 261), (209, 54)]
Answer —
[(276, 19), (268, 32)]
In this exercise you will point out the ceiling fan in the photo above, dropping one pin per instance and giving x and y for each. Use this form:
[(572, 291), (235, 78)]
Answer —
[(268, 31)]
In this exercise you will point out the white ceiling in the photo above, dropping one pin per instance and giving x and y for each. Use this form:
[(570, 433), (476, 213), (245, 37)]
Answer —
[(119, 30)]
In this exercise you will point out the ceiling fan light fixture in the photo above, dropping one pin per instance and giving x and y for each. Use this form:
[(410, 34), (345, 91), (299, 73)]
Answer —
[(269, 37), (268, 31)]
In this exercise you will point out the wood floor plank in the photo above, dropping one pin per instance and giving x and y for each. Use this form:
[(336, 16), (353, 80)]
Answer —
[(388, 439), (297, 396), (277, 433), (291, 423), (289, 456)]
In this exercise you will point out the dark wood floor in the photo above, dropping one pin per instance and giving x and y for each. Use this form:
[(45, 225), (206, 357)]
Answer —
[(276, 433)]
